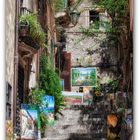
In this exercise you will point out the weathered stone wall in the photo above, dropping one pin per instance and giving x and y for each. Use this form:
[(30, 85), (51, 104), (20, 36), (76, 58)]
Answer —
[(90, 51), (30, 5), (10, 40)]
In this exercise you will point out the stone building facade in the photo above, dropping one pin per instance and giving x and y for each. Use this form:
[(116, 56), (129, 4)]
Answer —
[(95, 50), (10, 51), (23, 59)]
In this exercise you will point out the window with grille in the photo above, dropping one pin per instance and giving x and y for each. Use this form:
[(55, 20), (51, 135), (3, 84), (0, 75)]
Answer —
[(8, 101)]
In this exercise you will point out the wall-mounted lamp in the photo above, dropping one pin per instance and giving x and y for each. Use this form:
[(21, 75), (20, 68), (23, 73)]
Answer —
[(74, 15)]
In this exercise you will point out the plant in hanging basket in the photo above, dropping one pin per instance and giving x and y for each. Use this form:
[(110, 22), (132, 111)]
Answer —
[(24, 28), (35, 30)]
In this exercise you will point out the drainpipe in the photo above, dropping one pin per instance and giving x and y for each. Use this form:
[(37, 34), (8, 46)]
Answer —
[(15, 65)]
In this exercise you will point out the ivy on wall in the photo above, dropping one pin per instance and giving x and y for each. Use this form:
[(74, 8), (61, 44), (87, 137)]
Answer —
[(50, 83), (117, 11), (59, 5)]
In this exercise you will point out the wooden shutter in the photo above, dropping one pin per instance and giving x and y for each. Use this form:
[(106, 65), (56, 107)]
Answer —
[(66, 72)]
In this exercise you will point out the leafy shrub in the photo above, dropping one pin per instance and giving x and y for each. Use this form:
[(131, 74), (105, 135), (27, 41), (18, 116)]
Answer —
[(59, 5), (44, 121), (37, 95), (50, 83)]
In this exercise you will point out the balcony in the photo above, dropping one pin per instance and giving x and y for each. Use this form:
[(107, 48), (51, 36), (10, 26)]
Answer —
[(24, 10), (30, 30)]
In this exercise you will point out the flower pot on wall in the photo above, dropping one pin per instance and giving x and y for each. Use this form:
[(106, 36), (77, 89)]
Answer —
[(24, 29)]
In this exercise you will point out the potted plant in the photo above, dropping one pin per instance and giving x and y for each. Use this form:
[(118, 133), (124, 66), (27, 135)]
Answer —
[(9, 129), (35, 31), (24, 28)]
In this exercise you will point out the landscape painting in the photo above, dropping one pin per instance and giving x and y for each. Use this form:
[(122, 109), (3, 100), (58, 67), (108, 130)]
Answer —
[(48, 108), (84, 77), (72, 97), (48, 102)]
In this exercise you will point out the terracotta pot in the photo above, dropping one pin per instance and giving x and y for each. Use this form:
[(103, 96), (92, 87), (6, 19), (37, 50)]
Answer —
[(112, 120)]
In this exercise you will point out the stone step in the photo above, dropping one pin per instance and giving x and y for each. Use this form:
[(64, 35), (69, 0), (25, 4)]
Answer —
[(77, 129), (57, 137), (76, 136), (94, 120), (88, 136), (80, 122)]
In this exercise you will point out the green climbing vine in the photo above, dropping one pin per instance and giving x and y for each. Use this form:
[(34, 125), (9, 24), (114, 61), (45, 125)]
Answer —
[(114, 6), (59, 5), (50, 83), (118, 12), (37, 95), (93, 29)]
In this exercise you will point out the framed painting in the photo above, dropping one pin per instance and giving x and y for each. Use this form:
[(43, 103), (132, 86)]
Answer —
[(84, 76)]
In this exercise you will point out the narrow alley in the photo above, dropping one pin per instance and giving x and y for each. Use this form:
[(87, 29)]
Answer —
[(69, 70), (80, 122)]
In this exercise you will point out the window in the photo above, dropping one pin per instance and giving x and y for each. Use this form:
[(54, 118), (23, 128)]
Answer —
[(8, 101), (94, 18)]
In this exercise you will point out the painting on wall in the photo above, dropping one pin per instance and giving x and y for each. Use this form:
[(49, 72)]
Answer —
[(72, 97), (84, 77), (87, 94), (29, 119), (48, 108), (48, 102)]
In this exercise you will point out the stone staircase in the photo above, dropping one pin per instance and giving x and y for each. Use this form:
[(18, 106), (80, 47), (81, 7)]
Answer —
[(80, 122)]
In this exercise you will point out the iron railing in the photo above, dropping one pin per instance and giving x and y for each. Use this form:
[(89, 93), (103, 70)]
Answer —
[(24, 10)]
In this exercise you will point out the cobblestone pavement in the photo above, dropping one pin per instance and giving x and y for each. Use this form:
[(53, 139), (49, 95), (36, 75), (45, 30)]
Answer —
[(80, 122)]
